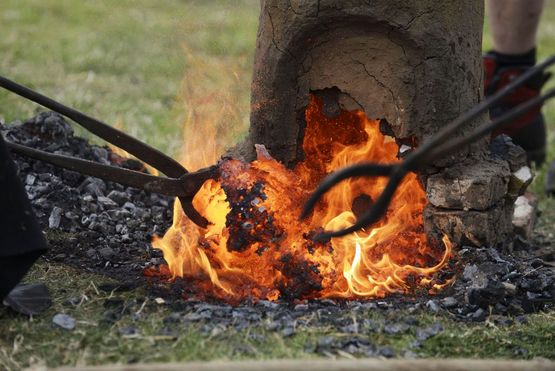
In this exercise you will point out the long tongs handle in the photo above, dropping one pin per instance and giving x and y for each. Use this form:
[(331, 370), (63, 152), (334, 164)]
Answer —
[(186, 186), (142, 151)]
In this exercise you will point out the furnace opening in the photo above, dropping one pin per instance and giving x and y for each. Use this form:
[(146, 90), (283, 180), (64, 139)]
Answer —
[(256, 247)]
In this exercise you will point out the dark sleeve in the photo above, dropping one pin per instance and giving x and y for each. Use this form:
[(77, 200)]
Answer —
[(21, 240)]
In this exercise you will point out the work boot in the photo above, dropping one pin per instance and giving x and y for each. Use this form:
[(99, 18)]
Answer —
[(527, 130)]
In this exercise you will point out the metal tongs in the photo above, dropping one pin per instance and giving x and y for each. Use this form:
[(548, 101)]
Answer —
[(179, 181), (434, 148)]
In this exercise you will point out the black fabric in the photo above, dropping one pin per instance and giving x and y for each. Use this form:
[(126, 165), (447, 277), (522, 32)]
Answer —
[(533, 139), (21, 240), (527, 59), (13, 269)]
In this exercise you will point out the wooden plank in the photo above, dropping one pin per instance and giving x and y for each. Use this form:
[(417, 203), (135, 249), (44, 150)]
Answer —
[(336, 365)]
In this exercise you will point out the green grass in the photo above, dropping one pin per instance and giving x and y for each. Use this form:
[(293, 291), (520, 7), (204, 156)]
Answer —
[(37, 341), (151, 66), (124, 60)]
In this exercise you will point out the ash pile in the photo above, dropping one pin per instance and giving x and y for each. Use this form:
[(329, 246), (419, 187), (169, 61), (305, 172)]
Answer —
[(106, 227), (89, 223)]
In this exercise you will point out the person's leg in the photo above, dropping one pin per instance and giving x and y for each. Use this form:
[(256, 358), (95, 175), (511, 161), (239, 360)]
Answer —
[(514, 25)]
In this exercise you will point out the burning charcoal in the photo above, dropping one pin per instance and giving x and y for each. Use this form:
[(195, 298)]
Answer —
[(245, 221), (64, 321), (55, 218), (361, 204)]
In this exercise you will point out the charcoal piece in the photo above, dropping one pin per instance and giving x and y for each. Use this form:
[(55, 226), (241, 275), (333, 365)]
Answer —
[(111, 316), (300, 278), (386, 352), (249, 224), (107, 252), (100, 154), (502, 147), (106, 202), (493, 292), (423, 334), (49, 126), (361, 204), (64, 321), (433, 306), (449, 302), (128, 331), (480, 315), (288, 331), (55, 218), (93, 186), (273, 326), (124, 286), (119, 197), (395, 328)]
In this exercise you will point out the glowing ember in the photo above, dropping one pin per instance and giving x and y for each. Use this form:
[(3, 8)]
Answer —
[(257, 247)]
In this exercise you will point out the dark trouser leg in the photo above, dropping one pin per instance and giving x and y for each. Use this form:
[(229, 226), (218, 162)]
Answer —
[(21, 240)]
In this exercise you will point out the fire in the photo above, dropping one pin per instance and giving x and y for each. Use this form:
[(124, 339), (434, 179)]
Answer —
[(256, 247)]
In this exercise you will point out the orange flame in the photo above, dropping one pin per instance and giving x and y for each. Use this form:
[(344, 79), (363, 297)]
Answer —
[(257, 247)]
